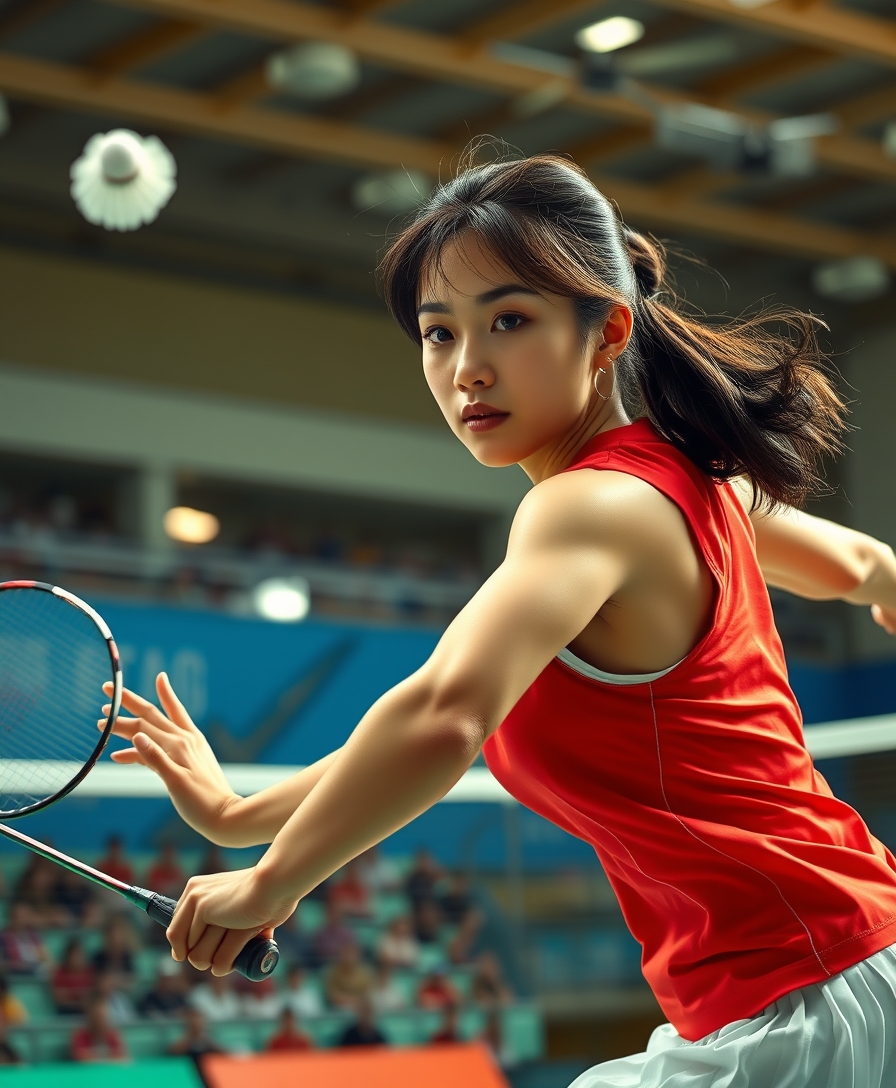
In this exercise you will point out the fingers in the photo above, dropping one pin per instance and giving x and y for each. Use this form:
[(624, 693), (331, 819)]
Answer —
[(231, 945), (174, 708), (206, 946), (139, 707)]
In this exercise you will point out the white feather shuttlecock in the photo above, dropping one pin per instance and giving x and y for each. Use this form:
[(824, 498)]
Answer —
[(122, 180)]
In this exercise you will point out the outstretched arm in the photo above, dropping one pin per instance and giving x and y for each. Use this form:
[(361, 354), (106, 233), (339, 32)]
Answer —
[(823, 561), (568, 554)]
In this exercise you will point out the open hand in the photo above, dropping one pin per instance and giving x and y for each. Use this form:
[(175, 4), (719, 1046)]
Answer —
[(886, 617), (218, 914), (179, 754)]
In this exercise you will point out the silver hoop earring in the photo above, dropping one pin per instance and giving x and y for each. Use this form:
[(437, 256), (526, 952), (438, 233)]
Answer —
[(600, 370)]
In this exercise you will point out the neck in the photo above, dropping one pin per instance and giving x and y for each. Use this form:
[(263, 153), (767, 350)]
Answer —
[(560, 454)]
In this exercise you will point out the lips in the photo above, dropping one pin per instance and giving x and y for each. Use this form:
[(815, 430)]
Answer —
[(481, 411)]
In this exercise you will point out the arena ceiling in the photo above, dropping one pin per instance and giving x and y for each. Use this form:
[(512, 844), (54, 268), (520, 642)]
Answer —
[(266, 178)]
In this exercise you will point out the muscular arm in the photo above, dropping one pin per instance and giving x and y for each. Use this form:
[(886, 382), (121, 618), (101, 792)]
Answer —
[(819, 559)]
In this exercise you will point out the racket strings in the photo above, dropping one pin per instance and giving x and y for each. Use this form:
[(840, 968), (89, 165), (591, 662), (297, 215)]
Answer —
[(53, 663)]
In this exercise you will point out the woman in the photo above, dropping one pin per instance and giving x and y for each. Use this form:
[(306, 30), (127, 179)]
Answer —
[(620, 670)]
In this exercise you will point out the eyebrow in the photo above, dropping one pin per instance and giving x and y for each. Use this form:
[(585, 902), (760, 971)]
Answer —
[(481, 300)]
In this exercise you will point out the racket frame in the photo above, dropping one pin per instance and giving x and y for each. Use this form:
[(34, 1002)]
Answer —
[(115, 661)]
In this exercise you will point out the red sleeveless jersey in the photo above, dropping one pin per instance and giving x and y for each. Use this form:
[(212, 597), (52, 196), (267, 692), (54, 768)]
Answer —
[(737, 870)]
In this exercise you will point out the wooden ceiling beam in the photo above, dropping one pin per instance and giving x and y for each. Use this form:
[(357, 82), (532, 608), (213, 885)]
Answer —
[(25, 14), (782, 65), (199, 113), (842, 30), (442, 57), (196, 112), (148, 45), (520, 20)]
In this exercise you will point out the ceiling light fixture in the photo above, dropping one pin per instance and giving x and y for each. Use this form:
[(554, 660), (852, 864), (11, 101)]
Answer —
[(610, 34), (856, 279), (314, 70), (284, 600), (189, 526), (122, 181), (394, 192)]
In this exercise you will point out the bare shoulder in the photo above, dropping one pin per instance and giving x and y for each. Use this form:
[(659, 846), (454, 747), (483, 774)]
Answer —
[(598, 507)]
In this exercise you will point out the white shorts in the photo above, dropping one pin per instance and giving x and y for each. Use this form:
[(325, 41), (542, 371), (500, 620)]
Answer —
[(840, 1033)]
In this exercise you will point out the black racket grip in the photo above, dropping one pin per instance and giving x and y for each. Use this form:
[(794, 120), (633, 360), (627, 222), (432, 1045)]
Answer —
[(255, 962)]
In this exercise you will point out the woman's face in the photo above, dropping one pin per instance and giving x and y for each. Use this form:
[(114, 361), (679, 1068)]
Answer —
[(492, 341)]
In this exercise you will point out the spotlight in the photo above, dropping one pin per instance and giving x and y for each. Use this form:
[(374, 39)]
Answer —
[(285, 600), (856, 279), (314, 70), (889, 140), (610, 34), (121, 180), (189, 526)]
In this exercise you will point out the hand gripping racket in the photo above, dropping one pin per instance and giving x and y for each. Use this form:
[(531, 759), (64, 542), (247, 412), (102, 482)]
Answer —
[(56, 653)]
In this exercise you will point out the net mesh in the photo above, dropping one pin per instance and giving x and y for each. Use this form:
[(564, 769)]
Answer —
[(53, 663)]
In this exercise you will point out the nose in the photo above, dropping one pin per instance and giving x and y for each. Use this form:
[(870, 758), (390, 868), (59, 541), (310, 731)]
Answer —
[(472, 368)]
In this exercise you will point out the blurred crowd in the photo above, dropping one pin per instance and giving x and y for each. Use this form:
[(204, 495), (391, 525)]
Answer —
[(93, 982)]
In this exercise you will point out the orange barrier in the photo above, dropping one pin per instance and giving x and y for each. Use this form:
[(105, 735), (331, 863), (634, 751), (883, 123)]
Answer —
[(451, 1065)]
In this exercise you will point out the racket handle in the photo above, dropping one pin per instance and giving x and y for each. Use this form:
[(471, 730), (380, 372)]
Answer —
[(255, 962)]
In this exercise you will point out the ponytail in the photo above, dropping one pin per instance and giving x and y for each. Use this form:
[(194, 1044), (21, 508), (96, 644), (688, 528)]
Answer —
[(752, 397)]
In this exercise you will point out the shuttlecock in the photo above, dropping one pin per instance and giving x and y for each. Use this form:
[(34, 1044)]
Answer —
[(122, 180)]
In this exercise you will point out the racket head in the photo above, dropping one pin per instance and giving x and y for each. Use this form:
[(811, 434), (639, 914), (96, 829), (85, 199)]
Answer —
[(56, 652)]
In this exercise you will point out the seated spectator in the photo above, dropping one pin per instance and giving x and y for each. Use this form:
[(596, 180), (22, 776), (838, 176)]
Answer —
[(463, 942), (334, 935), (22, 949), (488, 987), (436, 991), (12, 1011), (167, 996), (420, 882), (165, 875), (258, 1000), (196, 1040), (116, 956), (363, 1032), (114, 863), (386, 995), (212, 862), (493, 1037), (398, 947), (72, 981), (119, 1006), (379, 873), (348, 980), (299, 994), (296, 945), (288, 1035), (8, 1054), (456, 903), (350, 892), (449, 1031), (97, 1040), (37, 892), (216, 999), (427, 921), (78, 897)]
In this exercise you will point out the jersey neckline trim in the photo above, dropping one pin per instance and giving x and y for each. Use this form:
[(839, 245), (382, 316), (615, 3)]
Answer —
[(578, 665)]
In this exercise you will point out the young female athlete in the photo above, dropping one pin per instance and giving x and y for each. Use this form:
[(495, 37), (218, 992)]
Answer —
[(620, 670)]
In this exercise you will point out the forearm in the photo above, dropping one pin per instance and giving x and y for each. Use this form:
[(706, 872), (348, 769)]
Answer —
[(404, 755), (253, 820), (879, 584)]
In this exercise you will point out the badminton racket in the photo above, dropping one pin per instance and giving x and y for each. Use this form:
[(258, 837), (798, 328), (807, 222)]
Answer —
[(56, 652)]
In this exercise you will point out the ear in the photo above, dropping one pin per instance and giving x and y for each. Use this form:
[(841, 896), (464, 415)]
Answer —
[(616, 332)]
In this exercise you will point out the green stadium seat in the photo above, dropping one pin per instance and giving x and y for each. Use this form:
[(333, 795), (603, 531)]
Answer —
[(387, 907), (312, 914), (171, 1072), (431, 956), (146, 963), (326, 1030), (34, 994), (151, 1038), (522, 1028)]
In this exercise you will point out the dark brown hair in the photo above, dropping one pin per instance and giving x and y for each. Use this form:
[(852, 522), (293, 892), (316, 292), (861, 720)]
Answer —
[(752, 396)]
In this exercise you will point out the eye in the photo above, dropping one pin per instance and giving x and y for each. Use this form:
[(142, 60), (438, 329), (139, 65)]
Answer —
[(508, 322), (434, 334)]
